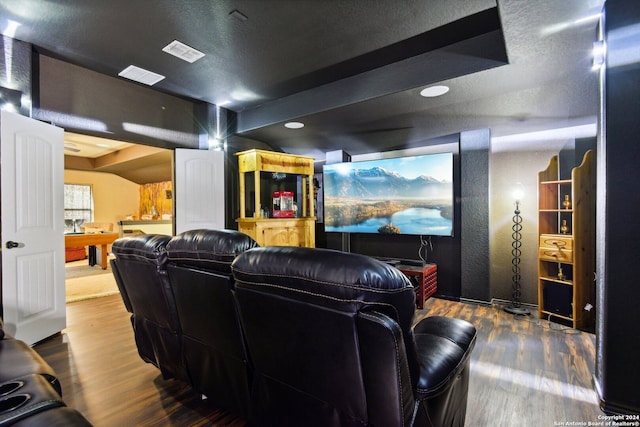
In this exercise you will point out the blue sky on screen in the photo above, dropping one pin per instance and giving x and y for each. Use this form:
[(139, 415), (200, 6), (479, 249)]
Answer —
[(438, 166)]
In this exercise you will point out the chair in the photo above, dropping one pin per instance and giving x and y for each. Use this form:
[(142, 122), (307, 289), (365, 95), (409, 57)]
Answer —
[(199, 270), (18, 359), (139, 268), (30, 393), (331, 340)]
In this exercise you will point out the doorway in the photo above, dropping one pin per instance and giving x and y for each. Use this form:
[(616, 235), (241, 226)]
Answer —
[(116, 172)]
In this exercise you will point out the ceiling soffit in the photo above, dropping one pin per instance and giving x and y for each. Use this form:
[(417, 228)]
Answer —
[(467, 45)]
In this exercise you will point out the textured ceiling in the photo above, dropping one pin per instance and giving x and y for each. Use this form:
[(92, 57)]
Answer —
[(350, 70)]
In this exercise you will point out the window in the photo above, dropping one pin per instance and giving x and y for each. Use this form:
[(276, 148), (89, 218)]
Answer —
[(78, 206)]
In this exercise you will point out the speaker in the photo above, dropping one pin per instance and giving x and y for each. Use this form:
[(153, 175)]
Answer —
[(558, 299)]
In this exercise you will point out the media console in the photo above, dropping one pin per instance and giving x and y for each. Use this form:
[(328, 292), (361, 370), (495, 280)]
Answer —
[(423, 276)]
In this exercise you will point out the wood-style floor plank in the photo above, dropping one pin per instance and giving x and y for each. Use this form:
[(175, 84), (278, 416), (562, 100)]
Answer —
[(103, 377), (524, 372)]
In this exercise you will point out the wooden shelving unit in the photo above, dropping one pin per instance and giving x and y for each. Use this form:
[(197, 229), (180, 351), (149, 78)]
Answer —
[(566, 253), (299, 231)]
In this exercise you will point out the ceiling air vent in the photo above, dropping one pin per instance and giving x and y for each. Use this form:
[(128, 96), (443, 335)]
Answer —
[(140, 75), (182, 51)]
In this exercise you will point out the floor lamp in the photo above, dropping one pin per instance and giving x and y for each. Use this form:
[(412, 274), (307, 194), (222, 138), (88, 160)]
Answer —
[(516, 306)]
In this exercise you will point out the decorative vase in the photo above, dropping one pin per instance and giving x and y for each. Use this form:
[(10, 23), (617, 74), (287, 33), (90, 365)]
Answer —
[(564, 228), (566, 203)]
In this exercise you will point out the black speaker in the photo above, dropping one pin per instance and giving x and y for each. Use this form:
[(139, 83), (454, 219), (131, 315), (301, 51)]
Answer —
[(557, 299), (92, 256)]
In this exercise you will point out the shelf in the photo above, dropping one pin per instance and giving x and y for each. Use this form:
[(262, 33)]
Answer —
[(572, 253), (556, 182), (556, 261), (556, 280), (556, 211), (274, 220), (550, 313)]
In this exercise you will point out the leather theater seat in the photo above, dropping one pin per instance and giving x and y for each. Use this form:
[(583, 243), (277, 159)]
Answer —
[(139, 268), (31, 401), (199, 271), (331, 340), (30, 393), (18, 359)]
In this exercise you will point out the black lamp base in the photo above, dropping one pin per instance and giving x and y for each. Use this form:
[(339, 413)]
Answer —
[(517, 310)]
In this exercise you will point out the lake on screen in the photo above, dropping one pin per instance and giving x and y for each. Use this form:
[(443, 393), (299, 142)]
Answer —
[(409, 221)]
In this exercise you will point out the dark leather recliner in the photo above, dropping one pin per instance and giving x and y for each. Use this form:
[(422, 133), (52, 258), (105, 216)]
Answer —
[(331, 340), (139, 268), (18, 359), (30, 393), (199, 271)]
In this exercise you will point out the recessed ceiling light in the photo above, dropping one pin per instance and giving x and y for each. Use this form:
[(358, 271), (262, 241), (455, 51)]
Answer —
[(182, 51), (140, 75), (294, 125), (432, 91)]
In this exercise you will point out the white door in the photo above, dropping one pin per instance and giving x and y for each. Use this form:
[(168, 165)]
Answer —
[(199, 189), (32, 185)]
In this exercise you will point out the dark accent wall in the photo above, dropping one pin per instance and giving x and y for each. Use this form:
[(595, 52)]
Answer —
[(15, 72), (84, 101), (618, 213), (474, 233), (571, 155)]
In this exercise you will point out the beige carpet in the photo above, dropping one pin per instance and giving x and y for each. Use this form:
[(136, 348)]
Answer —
[(85, 282)]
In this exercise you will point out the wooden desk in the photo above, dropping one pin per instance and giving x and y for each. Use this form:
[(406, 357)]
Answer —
[(96, 239)]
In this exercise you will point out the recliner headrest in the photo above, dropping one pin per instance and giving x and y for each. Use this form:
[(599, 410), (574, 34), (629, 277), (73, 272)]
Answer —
[(148, 248), (209, 249), (345, 281)]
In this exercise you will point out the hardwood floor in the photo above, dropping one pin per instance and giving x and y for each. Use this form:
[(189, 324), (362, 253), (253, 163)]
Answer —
[(525, 371), (522, 372), (103, 377)]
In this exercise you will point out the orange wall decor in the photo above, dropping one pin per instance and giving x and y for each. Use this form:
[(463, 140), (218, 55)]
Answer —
[(158, 195)]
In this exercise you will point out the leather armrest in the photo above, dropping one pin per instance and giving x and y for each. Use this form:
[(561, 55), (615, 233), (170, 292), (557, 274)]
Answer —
[(18, 359), (443, 346)]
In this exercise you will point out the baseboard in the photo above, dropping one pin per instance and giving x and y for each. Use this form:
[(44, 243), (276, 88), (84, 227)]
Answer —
[(475, 301), (494, 301), (499, 301)]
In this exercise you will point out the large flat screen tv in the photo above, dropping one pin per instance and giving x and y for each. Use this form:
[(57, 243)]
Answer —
[(402, 195)]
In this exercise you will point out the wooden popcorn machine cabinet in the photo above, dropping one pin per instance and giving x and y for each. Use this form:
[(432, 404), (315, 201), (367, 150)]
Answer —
[(297, 229)]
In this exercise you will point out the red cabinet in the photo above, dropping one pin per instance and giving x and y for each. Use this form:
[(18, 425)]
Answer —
[(424, 279)]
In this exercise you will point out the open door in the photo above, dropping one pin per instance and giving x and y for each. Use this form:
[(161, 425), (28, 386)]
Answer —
[(32, 187), (199, 189)]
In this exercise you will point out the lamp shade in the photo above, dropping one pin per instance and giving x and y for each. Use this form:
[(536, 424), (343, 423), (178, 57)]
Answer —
[(517, 191)]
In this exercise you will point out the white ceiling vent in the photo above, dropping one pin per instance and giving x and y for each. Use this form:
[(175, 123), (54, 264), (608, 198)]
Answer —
[(182, 51), (140, 75)]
